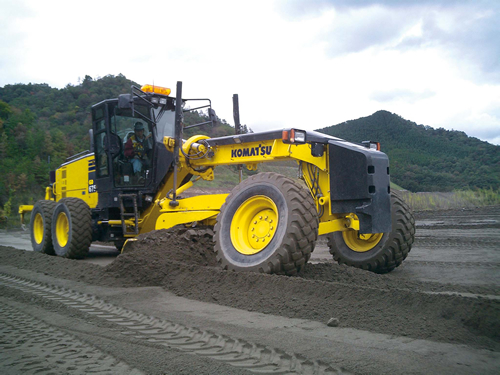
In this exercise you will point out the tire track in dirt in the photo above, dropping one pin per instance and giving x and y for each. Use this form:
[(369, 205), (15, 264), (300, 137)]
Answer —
[(235, 352), (457, 242), (28, 345), (452, 264)]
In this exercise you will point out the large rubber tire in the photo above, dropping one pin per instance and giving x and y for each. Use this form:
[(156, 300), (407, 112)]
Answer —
[(72, 228), (40, 227), (386, 254), (286, 222)]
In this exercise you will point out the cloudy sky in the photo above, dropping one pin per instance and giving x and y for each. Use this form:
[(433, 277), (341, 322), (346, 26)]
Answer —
[(306, 64)]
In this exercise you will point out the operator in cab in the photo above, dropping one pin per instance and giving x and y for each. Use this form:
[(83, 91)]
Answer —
[(137, 147)]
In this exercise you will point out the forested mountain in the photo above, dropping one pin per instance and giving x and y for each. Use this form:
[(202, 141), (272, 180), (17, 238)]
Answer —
[(41, 126), (423, 158)]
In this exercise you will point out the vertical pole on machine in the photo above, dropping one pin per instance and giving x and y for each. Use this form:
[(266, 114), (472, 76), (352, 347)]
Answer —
[(178, 139), (237, 127)]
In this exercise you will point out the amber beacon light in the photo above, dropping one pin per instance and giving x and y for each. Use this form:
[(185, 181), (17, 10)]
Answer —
[(156, 89)]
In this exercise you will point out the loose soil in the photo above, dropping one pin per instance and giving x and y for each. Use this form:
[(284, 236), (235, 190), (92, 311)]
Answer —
[(182, 261)]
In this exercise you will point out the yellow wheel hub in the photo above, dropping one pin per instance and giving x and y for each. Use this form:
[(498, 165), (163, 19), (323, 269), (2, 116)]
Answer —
[(254, 225), (62, 229), (38, 228), (361, 242)]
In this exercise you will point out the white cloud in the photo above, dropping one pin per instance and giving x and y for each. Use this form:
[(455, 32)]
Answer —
[(401, 94), (303, 64)]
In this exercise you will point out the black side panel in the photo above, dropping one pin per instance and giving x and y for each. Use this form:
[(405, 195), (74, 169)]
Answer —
[(163, 161), (359, 183)]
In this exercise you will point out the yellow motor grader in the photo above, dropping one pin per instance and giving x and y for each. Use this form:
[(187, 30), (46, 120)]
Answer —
[(268, 223)]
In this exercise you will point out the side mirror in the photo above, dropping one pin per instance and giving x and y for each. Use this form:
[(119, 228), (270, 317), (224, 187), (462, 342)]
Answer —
[(212, 116), (125, 101)]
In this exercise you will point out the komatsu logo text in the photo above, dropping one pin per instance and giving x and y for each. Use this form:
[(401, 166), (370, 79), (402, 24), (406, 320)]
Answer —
[(251, 151)]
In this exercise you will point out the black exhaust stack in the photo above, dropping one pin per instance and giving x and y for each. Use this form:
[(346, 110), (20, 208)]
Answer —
[(178, 139), (237, 127)]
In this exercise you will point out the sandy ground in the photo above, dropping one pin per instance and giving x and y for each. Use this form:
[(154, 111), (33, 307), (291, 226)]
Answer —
[(165, 307)]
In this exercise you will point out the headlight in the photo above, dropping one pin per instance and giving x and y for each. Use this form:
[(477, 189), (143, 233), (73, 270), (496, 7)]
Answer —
[(371, 145), (293, 136)]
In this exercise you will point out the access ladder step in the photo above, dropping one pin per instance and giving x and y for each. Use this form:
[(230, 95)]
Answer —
[(124, 214)]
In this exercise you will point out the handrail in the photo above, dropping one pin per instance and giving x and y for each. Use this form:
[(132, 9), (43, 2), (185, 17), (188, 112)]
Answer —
[(77, 155)]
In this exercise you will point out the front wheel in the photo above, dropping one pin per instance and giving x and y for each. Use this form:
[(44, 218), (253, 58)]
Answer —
[(268, 224), (379, 252), (71, 228)]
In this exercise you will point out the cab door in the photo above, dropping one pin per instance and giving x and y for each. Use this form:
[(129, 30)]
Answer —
[(103, 149)]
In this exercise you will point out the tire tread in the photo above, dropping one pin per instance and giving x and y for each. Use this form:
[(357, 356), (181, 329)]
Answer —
[(47, 208), (397, 246), (81, 228), (297, 245)]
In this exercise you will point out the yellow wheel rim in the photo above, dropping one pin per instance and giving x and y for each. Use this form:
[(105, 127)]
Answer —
[(62, 229), (361, 242), (254, 225), (38, 228)]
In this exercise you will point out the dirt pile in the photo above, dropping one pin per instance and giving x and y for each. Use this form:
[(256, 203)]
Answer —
[(152, 253), (185, 245)]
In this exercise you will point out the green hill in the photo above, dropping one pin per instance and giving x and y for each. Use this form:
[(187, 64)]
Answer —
[(423, 158), (41, 126)]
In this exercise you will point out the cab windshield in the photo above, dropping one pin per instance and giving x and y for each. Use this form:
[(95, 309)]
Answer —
[(122, 121), (165, 123), (132, 135)]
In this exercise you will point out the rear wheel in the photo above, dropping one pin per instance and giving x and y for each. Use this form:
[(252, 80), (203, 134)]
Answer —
[(72, 228), (268, 224), (379, 252), (40, 226)]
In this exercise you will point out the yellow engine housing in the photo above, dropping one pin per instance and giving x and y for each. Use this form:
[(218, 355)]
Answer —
[(76, 179)]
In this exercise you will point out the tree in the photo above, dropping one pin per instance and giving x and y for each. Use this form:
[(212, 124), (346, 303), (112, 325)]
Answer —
[(5, 110)]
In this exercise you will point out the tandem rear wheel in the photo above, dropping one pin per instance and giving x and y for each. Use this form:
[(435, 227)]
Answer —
[(71, 228), (40, 226)]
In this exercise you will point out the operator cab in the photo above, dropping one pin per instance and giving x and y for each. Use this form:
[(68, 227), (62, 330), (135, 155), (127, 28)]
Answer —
[(128, 143), (117, 142)]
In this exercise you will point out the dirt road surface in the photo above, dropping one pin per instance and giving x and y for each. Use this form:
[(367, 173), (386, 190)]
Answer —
[(166, 308)]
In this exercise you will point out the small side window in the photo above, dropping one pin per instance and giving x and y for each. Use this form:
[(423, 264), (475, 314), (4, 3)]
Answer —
[(100, 125), (102, 168), (98, 113)]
